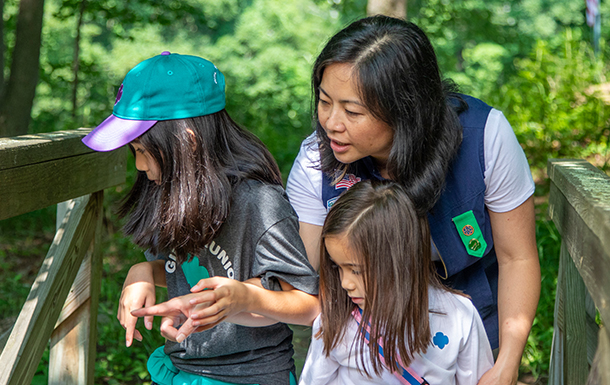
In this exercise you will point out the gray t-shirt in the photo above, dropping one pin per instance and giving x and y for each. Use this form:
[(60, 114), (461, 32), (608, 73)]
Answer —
[(260, 238)]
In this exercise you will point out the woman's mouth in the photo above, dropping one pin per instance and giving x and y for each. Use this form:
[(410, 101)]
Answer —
[(338, 146)]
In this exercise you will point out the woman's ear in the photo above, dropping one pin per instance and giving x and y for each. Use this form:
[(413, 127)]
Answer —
[(193, 139)]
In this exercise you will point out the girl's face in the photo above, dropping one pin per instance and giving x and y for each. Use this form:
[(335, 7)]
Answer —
[(146, 163), (350, 271), (353, 131)]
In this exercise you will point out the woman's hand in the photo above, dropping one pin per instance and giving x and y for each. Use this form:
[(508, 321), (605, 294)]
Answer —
[(138, 291), (498, 375)]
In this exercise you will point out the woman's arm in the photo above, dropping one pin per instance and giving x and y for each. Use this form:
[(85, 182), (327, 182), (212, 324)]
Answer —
[(310, 234), (139, 291), (514, 234)]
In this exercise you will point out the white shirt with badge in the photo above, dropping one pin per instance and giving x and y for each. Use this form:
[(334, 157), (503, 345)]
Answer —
[(459, 353), (508, 179)]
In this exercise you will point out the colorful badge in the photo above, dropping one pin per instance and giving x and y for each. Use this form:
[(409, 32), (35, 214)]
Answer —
[(469, 231)]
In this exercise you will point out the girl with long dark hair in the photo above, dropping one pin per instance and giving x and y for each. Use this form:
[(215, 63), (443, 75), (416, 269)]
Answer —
[(386, 318), (220, 234)]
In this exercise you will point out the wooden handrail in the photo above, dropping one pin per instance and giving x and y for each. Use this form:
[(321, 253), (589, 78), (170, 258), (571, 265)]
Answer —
[(579, 205), (37, 171)]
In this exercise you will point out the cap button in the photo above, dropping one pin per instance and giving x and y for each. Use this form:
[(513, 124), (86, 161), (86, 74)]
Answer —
[(165, 53)]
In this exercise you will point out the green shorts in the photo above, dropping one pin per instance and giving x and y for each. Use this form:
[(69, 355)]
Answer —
[(163, 372)]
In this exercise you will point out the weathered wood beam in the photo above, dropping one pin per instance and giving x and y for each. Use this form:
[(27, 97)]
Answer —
[(579, 205), (37, 171)]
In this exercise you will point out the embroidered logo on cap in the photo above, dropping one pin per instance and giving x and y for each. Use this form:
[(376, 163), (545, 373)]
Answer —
[(119, 94)]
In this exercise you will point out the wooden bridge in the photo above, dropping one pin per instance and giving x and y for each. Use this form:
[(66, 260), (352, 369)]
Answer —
[(37, 171)]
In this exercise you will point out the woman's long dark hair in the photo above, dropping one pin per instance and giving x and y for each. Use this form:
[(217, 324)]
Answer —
[(400, 83), (391, 243), (184, 212)]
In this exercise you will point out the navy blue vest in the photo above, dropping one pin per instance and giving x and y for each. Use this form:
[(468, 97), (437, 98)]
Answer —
[(464, 191)]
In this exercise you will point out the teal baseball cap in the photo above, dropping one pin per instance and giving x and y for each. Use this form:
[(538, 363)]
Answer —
[(165, 87)]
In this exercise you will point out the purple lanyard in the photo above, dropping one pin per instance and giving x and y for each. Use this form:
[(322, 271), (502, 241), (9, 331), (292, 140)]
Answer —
[(406, 376)]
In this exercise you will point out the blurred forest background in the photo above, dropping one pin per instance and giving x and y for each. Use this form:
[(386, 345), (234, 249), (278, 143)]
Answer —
[(62, 62)]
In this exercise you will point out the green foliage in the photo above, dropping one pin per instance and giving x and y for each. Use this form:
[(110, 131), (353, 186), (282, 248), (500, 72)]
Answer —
[(536, 356), (554, 103)]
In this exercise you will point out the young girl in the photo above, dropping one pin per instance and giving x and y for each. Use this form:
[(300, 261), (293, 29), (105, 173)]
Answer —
[(207, 202), (386, 319)]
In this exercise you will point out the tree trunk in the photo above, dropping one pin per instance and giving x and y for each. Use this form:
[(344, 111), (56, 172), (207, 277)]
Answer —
[(394, 8), (18, 97), (76, 60), (1, 47)]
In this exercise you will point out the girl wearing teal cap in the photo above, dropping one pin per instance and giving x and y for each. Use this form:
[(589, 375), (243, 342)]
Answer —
[(209, 208)]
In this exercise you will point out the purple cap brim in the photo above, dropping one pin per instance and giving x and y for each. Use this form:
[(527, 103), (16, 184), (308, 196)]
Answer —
[(115, 132)]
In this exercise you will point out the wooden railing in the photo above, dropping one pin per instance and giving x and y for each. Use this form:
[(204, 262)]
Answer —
[(37, 171), (579, 205)]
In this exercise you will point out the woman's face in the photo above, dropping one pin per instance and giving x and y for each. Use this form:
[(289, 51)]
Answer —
[(350, 271), (353, 131), (146, 163)]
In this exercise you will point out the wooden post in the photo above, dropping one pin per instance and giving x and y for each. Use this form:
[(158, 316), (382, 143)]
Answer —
[(579, 205), (32, 329), (73, 342)]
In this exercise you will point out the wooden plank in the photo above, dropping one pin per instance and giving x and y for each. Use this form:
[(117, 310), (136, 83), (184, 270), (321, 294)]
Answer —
[(592, 328), (74, 340), (25, 346), (69, 349), (30, 149), (583, 219), (600, 369), (31, 187), (587, 189), (557, 347), (79, 292), (575, 364)]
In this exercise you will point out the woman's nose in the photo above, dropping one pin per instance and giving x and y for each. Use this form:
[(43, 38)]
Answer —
[(334, 121)]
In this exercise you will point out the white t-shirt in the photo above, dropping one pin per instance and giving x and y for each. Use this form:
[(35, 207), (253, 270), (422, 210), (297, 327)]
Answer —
[(458, 354), (508, 179)]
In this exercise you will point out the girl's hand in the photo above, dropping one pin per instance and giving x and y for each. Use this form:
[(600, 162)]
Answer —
[(138, 291), (176, 311), (223, 298), (169, 325)]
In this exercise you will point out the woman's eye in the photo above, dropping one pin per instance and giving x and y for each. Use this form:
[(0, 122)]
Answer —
[(324, 102), (352, 113), (356, 272)]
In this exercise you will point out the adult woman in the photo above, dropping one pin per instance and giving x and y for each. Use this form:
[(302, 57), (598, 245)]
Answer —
[(382, 111)]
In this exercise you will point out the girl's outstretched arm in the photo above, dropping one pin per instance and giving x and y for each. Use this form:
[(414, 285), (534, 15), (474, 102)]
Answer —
[(138, 291), (245, 303)]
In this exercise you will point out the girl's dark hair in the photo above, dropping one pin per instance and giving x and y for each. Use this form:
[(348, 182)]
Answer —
[(184, 212), (400, 83), (391, 243)]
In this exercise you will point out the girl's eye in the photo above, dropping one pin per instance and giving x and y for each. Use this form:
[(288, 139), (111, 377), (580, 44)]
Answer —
[(141, 151), (356, 272)]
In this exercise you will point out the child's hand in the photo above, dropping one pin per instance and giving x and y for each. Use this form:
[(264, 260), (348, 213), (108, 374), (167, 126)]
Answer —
[(176, 311), (224, 298), (138, 291)]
